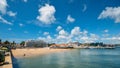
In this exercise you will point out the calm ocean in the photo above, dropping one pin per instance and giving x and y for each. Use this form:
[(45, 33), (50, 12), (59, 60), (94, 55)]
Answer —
[(75, 58)]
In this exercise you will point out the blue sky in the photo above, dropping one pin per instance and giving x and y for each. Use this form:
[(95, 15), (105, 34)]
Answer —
[(60, 21)]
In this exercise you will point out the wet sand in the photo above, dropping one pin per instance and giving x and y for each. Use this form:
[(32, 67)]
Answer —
[(29, 52)]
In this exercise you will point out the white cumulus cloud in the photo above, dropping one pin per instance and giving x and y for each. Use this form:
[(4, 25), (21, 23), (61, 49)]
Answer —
[(111, 40), (77, 34), (70, 19), (59, 28), (106, 30), (12, 14), (85, 32), (46, 33), (49, 37), (2, 20), (89, 39), (25, 1), (20, 24), (3, 6), (62, 34), (94, 36), (47, 14), (112, 13), (75, 31)]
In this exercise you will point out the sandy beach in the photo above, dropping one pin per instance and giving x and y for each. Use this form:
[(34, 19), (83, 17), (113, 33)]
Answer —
[(29, 52)]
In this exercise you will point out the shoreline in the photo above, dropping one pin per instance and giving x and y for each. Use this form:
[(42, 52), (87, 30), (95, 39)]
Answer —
[(30, 52), (93, 47)]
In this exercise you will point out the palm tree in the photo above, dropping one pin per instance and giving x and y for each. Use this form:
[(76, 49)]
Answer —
[(0, 41), (6, 42)]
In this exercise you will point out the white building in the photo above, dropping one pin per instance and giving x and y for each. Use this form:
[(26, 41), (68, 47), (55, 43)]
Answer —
[(35, 43)]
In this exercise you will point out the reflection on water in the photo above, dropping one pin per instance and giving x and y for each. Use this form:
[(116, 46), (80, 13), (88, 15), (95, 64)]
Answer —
[(75, 58)]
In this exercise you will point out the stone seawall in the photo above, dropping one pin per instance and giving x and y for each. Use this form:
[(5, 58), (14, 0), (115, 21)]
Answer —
[(8, 61)]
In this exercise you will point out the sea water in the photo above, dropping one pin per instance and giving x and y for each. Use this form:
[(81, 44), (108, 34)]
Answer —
[(74, 58)]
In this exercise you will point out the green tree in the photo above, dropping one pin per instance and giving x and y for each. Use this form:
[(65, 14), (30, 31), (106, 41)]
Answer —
[(0, 41), (22, 43), (2, 56), (49, 44), (6, 42)]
